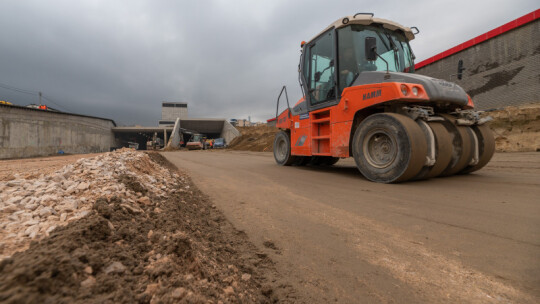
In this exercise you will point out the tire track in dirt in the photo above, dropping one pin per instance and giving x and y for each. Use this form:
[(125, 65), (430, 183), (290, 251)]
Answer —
[(433, 275), (347, 240)]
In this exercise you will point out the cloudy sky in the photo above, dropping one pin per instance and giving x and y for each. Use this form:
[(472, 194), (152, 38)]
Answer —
[(225, 58)]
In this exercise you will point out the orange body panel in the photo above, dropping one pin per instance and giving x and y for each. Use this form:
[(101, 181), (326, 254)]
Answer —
[(327, 131), (300, 137), (470, 104), (340, 143)]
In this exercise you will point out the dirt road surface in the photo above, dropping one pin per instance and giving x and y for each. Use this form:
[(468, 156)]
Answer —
[(340, 238)]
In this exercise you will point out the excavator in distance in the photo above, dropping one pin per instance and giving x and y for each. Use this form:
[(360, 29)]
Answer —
[(362, 99)]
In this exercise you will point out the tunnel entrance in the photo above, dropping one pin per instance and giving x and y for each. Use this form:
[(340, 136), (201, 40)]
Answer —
[(209, 128), (139, 136)]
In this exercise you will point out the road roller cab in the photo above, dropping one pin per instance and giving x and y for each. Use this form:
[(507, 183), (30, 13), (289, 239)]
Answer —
[(363, 100)]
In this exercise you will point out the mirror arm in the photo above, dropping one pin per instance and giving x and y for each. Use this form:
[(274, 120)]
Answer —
[(387, 75)]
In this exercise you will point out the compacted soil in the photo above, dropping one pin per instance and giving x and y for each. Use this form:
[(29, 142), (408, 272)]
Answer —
[(339, 238)]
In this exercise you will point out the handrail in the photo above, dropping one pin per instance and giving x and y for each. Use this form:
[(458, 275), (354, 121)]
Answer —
[(287, 97), (372, 14)]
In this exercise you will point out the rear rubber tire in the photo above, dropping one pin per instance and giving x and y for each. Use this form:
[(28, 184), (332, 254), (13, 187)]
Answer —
[(389, 147), (444, 149), (486, 148), (463, 144), (282, 149)]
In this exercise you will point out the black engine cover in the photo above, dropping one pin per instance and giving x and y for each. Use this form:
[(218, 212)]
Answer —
[(438, 90)]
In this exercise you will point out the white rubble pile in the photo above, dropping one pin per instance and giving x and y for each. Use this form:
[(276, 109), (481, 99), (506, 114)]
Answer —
[(31, 208)]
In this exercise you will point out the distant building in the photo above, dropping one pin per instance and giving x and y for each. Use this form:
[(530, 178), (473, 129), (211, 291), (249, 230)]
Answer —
[(271, 122), (243, 123), (170, 111), (42, 107)]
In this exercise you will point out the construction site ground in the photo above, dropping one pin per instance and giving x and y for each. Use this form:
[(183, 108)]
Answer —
[(339, 238), (122, 227), (230, 226), (298, 234)]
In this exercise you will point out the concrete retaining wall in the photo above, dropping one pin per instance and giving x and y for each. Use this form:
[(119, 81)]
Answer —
[(501, 71), (28, 132), (229, 132)]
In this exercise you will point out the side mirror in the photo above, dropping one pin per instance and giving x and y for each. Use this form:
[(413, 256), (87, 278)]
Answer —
[(371, 48), (317, 76)]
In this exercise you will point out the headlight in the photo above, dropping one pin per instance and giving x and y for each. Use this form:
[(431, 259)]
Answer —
[(415, 91), (404, 90)]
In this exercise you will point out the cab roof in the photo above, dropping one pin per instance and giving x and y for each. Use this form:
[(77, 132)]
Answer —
[(367, 19)]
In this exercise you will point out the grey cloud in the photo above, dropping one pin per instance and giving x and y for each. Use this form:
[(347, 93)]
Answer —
[(120, 59)]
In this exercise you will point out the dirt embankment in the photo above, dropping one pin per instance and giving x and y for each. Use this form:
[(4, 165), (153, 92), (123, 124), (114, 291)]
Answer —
[(516, 129), (260, 138), (149, 241)]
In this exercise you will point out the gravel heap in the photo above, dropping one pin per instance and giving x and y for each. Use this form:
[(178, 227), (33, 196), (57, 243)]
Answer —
[(130, 228), (31, 208)]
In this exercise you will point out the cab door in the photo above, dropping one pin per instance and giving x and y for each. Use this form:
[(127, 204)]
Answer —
[(321, 91), (321, 76)]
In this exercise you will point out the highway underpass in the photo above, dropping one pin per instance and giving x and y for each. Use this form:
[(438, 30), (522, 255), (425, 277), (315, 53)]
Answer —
[(211, 128)]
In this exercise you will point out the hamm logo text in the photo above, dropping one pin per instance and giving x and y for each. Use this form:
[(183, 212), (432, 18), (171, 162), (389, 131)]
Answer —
[(370, 95)]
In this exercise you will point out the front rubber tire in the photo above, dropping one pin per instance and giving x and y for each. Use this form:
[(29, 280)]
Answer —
[(282, 149), (486, 147), (389, 147), (462, 142), (443, 151)]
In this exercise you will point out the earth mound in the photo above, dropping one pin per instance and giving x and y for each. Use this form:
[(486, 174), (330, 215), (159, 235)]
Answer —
[(259, 138), (152, 238), (516, 129)]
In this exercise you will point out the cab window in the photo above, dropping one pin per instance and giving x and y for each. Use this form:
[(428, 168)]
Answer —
[(321, 73)]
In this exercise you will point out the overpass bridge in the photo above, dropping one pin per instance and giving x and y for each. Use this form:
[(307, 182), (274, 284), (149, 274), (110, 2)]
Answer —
[(211, 128)]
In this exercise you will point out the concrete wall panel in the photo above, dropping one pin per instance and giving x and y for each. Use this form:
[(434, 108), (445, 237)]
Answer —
[(229, 132), (28, 133)]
